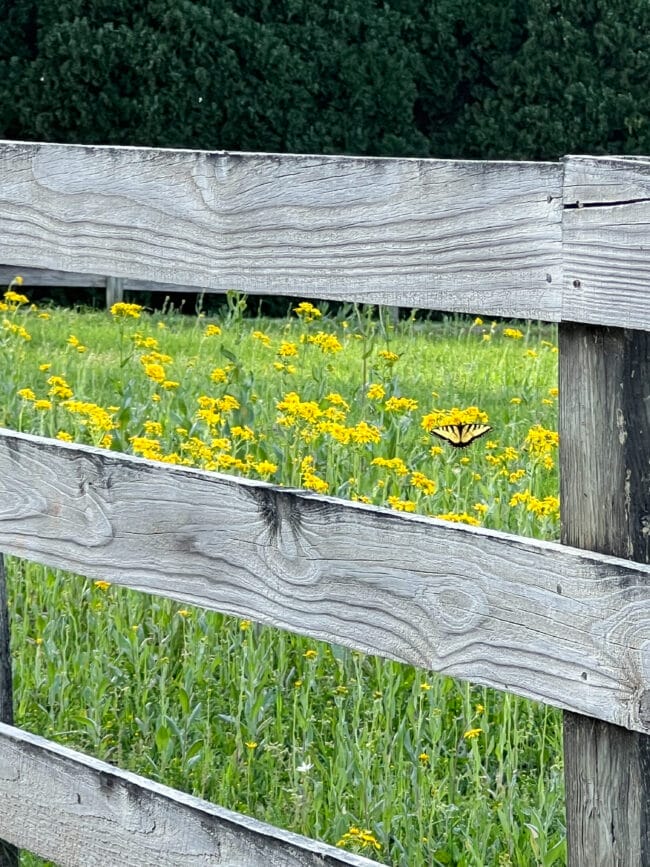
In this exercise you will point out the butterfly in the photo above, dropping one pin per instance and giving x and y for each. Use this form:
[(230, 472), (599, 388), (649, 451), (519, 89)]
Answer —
[(460, 435)]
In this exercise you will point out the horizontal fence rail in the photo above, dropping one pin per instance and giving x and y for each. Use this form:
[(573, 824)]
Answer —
[(543, 620), (79, 811), (48, 278), (465, 236), (445, 234)]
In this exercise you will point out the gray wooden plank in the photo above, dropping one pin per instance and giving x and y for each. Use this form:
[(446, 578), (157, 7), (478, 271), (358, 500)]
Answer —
[(80, 811), (48, 277), (552, 623), (451, 235), (606, 241), (605, 496)]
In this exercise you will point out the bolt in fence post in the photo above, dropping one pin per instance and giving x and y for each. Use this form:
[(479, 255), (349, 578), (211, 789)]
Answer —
[(9, 855), (605, 499)]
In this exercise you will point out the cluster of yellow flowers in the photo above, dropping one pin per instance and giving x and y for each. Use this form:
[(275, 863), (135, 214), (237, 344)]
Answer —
[(348, 445), (358, 838)]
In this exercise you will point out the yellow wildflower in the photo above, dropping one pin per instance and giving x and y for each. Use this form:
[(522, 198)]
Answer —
[(95, 417), (155, 358), (426, 485), (375, 392), (13, 328), (327, 343), (287, 349), (227, 403), (122, 310), (513, 333), (59, 388), (401, 505), (143, 342), (156, 372), (397, 465), (212, 331), (365, 433), (359, 838), (441, 417), (401, 404), (153, 428), (15, 298), (307, 311), (242, 433), (76, 343), (219, 374), (540, 440), (459, 518), (335, 398), (146, 447), (470, 734)]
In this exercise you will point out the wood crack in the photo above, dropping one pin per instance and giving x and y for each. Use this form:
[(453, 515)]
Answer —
[(615, 204)]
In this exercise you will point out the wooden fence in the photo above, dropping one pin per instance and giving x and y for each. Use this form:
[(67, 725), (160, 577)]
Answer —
[(567, 624), (115, 287)]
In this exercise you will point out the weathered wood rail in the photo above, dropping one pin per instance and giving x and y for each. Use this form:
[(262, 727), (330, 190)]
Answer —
[(565, 242), (115, 287)]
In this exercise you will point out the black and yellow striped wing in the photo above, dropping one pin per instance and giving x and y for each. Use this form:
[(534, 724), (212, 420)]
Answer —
[(460, 435)]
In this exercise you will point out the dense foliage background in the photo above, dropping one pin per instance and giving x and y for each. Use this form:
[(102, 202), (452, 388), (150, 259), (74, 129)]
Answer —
[(522, 79)]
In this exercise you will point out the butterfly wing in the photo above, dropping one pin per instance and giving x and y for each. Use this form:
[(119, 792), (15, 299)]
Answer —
[(460, 435), (471, 432)]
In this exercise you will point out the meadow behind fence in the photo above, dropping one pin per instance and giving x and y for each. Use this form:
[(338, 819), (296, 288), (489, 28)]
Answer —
[(542, 620)]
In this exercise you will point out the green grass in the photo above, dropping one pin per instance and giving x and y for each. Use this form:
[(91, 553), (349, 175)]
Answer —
[(305, 735)]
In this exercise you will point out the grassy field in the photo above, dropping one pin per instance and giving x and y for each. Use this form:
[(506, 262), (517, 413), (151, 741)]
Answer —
[(403, 765)]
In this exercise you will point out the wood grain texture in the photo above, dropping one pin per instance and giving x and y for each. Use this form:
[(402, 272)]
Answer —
[(605, 495), (606, 241), (449, 235), (79, 811), (541, 620)]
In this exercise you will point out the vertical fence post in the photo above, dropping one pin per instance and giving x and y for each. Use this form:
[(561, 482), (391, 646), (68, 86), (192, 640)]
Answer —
[(605, 495), (9, 856), (114, 291)]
